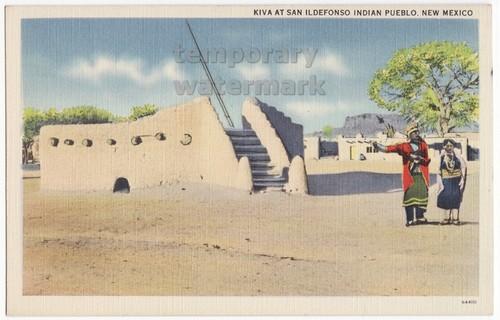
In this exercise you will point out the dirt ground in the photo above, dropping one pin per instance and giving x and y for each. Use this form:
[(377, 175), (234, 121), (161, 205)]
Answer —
[(196, 239)]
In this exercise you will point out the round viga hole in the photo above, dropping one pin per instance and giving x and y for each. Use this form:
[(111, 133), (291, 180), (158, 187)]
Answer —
[(160, 136), (54, 141), (136, 140), (111, 142), (187, 139), (87, 142), (69, 142)]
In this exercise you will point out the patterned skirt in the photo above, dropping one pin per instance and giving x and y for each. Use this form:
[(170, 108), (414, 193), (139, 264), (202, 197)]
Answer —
[(451, 196), (416, 195)]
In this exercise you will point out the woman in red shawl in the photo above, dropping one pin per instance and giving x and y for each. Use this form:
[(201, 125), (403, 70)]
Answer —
[(415, 174)]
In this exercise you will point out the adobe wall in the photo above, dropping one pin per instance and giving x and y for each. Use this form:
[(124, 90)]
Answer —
[(291, 134), (360, 145), (312, 148), (209, 156)]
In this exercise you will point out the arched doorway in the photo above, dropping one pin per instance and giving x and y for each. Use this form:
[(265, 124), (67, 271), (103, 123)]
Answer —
[(121, 185)]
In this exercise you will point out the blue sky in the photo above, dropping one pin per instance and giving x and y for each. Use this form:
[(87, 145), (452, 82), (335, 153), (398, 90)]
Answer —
[(120, 63)]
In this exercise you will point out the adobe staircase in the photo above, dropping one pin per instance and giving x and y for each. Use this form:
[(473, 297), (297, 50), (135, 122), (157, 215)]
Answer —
[(264, 175)]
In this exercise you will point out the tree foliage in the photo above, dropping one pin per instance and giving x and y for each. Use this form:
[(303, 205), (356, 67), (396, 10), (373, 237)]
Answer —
[(142, 111), (84, 115), (435, 84), (34, 119), (328, 131)]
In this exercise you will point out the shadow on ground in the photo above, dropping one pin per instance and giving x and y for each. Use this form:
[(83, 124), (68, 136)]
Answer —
[(354, 183)]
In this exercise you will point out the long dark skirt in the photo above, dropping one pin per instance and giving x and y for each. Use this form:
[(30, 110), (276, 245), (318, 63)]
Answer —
[(451, 196)]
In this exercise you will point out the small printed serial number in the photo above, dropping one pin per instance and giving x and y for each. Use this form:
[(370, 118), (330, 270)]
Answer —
[(469, 301)]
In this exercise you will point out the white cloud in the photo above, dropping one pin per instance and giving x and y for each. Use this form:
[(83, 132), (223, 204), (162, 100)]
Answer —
[(332, 63), (254, 71), (324, 62), (131, 69), (172, 71)]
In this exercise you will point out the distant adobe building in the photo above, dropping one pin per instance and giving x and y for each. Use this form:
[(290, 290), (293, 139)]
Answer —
[(361, 148), (182, 143), (354, 140)]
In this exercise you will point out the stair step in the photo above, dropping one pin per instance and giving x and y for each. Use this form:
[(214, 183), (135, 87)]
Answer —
[(269, 189), (247, 144), (249, 140), (258, 172), (250, 149), (254, 156), (240, 133), (270, 179), (268, 185), (261, 165)]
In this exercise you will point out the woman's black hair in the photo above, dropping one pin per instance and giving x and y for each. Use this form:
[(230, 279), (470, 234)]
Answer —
[(446, 141)]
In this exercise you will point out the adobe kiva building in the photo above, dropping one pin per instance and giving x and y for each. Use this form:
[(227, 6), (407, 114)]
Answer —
[(182, 143)]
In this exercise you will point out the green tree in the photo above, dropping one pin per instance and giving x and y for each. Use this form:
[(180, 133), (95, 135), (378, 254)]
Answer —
[(435, 84), (142, 111), (34, 119), (51, 116), (328, 131), (83, 115)]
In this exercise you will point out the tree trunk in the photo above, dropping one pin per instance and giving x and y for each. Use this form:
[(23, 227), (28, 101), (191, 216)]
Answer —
[(443, 127), (25, 155), (444, 120), (26, 149)]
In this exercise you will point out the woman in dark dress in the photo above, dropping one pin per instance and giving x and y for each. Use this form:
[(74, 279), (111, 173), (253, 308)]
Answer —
[(451, 181)]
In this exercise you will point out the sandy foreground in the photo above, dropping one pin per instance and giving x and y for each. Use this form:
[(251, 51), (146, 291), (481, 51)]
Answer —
[(197, 239)]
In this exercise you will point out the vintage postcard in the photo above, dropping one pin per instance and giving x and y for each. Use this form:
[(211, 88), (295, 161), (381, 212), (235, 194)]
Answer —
[(225, 160)]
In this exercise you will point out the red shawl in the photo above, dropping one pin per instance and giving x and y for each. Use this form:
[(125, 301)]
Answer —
[(404, 150)]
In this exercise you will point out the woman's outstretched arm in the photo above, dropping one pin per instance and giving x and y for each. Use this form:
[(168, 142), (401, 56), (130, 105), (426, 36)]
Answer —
[(379, 147)]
